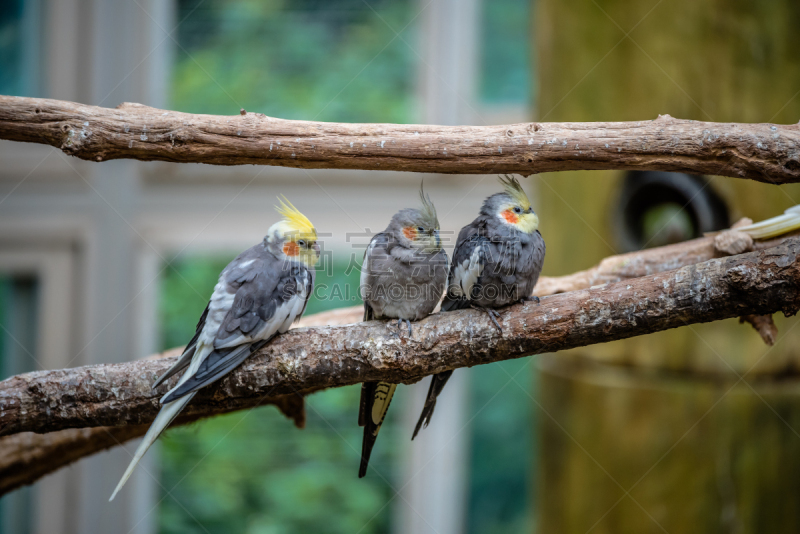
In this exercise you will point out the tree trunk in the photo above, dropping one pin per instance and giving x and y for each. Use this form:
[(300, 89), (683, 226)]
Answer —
[(628, 402)]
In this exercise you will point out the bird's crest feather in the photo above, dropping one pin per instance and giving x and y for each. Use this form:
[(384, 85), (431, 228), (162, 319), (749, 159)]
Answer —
[(294, 220), (428, 211), (515, 191)]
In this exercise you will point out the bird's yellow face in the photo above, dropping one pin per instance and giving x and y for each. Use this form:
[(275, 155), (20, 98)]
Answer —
[(517, 211), (302, 248), (297, 235), (520, 217)]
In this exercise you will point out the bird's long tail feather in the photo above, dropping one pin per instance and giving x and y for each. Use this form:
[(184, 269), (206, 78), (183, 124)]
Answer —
[(168, 412), (438, 382), (376, 398)]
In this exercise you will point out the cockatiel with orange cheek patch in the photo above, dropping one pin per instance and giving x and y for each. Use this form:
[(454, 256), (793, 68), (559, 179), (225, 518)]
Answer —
[(403, 278), (496, 262), (259, 295)]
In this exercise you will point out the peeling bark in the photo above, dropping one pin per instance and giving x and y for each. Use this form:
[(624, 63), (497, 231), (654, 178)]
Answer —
[(763, 152), (309, 359), (25, 457)]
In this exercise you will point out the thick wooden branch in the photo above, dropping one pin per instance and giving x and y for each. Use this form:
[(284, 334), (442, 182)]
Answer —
[(309, 359), (763, 152), (26, 456)]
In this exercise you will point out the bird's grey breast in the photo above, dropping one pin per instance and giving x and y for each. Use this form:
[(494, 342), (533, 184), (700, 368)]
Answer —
[(403, 282), (513, 262)]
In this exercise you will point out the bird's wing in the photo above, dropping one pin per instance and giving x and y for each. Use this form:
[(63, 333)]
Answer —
[(376, 247), (256, 319), (369, 314), (537, 258), (267, 300), (465, 271), (469, 259), (188, 352), (430, 277)]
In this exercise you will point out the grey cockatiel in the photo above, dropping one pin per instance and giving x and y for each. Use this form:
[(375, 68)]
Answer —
[(496, 262), (403, 277), (259, 295)]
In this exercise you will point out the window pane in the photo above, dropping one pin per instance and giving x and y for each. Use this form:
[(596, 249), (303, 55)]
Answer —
[(20, 61), (505, 55), (18, 311)]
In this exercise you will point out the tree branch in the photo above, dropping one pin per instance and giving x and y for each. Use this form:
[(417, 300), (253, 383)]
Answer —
[(763, 152), (310, 359), (25, 457)]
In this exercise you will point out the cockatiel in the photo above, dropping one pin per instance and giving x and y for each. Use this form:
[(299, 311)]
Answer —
[(402, 277), (258, 296), (496, 262)]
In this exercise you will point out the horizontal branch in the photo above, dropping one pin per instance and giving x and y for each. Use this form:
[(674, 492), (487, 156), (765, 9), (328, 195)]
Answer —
[(763, 152)]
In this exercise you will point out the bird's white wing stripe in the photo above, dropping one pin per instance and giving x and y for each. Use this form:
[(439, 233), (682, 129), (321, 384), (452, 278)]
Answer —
[(467, 273), (297, 302), (281, 319), (218, 308)]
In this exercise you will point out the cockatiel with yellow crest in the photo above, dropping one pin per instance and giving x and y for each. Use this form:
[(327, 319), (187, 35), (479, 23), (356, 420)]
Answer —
[(258, 296), (496, 262)]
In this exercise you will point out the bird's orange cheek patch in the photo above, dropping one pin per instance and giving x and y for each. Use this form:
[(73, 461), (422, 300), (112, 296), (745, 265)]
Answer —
[(410, 232), (510, 216), (290, 248)]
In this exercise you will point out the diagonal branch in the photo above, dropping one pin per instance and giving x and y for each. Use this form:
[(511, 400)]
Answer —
[(314, 358), (763, 152), (120, 394)]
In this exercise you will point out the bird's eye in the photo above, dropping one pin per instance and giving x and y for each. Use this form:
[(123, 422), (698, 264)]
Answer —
[(517, 209), (301, 243), (420, 229)]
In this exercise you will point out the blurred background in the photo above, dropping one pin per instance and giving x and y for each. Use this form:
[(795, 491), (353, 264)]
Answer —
[(692, 430)]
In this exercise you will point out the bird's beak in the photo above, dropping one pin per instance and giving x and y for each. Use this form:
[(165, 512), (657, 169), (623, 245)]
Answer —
[(438, 239)]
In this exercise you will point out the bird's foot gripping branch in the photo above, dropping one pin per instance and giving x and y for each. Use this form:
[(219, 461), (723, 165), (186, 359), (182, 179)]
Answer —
[(306, 359)]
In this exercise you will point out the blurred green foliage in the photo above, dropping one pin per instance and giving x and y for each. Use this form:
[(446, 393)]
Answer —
[(501, 447), (331, 61)]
